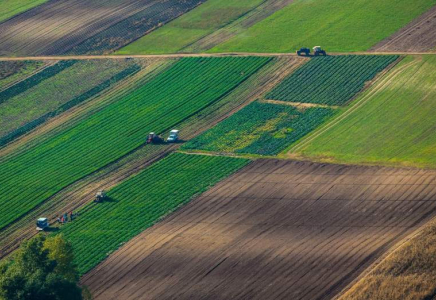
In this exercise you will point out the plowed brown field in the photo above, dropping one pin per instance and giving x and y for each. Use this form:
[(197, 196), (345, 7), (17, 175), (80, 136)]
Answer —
[(418, 36), (275, 230)]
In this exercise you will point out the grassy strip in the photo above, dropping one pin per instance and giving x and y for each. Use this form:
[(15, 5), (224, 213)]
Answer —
[(408, 273), (186, 88), (91, 93), (190, 27), (135, 26), (141, 201), (10, 8), (391, 123), (260, 128), (13, 71), (35, 80), (332, 80), (337, 25)]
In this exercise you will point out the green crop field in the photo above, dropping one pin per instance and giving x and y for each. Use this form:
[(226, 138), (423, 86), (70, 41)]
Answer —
[(14, 71), (392, 123), (190, 27), (337, 25), (10, 8), (183, 90), (139, 202), (331, 80), (260, 128), (23, 107)]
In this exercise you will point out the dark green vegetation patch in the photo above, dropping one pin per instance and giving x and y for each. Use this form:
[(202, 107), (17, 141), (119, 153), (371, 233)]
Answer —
[(261, 128), (331, 80), (186, 88), (139, 202)]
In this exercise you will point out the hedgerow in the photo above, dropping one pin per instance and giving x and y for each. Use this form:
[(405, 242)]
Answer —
[(260, 128), (332, 80), (186, 88)]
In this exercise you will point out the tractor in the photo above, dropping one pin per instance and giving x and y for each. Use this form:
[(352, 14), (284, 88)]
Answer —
[(317, 50), (306, 51), (100, 196), (42, 224), (173, 137), (154, 138)]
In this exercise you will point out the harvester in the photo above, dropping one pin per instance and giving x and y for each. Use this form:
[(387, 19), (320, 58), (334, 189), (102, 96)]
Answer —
[(317, 50), (306, 51), (42, 224), (173, 137), (100, 196)]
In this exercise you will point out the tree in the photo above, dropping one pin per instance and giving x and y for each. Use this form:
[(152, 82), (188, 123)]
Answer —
[(41, 269)]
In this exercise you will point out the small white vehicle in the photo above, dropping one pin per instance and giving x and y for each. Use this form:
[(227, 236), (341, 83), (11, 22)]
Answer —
[(174, 136), (41, 224), (100, 196)]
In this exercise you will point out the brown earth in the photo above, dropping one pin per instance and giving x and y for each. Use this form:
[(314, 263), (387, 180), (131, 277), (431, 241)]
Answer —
[(419, 35), (275, 230), (58, 26), (82, 192)]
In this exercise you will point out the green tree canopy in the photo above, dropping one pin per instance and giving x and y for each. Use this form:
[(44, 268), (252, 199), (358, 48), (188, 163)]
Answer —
[(41, 269)]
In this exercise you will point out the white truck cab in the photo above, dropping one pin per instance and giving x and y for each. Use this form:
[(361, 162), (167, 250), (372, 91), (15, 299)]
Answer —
[(174, 136)]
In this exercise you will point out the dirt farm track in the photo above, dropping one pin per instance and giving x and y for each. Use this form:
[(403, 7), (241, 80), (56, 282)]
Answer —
[(275, 230)]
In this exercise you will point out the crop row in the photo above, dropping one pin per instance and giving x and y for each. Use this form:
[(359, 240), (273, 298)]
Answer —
[(183, 90), (332, 80), (135, 26), (35, 80), (15, 71), (54, 92), (261, 128), (139, 202), (64, 107)]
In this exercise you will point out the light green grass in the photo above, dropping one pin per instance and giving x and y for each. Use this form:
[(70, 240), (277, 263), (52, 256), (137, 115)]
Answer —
[(395, 125), (337, 25), (190, 27), (10, 8)]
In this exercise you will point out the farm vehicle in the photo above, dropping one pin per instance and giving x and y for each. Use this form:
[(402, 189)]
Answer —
[(100, 196), (317, 50), (154, 138), (42, 224)]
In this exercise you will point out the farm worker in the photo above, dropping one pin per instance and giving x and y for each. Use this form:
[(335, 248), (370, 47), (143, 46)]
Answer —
[(62, 219), (71, 216), (66, 217), (59, 219)]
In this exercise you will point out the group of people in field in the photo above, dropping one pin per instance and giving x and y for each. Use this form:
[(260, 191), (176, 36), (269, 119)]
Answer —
[(64, 218)]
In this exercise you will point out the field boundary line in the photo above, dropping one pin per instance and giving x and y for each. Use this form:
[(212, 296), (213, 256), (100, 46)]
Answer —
[(369, 93), (298, 104)]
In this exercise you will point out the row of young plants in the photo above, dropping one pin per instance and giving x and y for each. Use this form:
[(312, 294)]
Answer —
[(11, 71), (172, 96), (54, 92), (331, 80), (35, 80), (141, 201), (261, 128), (64, 107), (134, 27)]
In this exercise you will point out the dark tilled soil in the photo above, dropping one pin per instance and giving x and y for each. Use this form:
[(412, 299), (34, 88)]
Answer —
[(275, 230), (418, 36)]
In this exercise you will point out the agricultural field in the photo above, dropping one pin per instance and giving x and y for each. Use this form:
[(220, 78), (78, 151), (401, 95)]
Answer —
[(82, 191), (10, 8), (261, 128), (417, 36), (391, 123), (12, 72), (274, 230), (331, 80), (191, 27), (337, 25), (88, 27), (54, 90), (118, 129), (141, 201)]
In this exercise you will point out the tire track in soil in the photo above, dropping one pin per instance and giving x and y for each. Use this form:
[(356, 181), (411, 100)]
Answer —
[(304, 243)]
